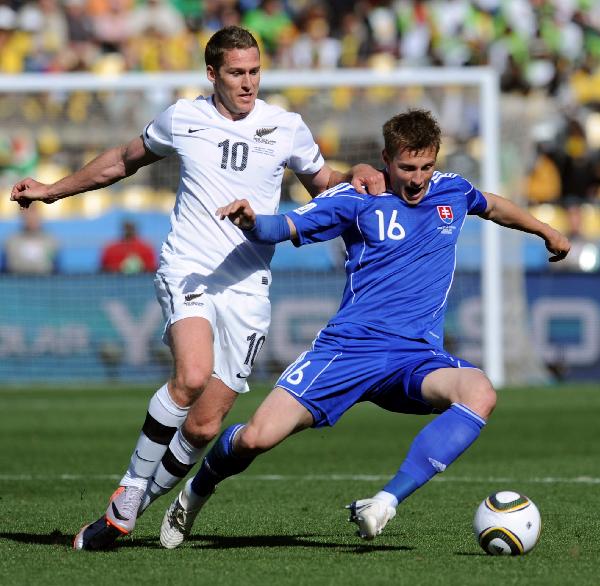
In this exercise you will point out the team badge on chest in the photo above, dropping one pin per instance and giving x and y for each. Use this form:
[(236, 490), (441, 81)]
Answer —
[(445, 214)]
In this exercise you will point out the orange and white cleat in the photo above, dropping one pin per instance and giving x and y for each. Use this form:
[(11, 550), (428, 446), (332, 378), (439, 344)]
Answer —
[(119, 519)]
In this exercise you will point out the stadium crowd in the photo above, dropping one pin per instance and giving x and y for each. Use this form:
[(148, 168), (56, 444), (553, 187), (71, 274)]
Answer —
[(533, 43)]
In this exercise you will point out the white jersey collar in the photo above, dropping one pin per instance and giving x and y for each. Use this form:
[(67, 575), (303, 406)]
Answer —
[(257, 106)]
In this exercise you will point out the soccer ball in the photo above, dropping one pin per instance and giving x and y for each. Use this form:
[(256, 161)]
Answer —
[(507, 523)]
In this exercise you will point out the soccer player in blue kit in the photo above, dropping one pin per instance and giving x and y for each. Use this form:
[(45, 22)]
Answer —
[(385, 343)]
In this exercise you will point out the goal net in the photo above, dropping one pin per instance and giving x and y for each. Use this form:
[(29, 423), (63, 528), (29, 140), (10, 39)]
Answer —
[(80, 325)]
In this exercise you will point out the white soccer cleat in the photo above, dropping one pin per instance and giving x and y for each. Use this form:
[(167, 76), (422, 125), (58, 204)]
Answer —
[(177, 522), (371, 516)]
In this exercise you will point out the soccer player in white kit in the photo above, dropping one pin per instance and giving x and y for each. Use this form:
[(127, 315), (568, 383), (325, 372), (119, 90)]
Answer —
[(212, 283)]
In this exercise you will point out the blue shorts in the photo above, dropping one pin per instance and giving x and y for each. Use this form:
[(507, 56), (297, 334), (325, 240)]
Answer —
[(349, 363)]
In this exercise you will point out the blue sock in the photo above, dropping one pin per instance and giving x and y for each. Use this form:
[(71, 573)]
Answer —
[(436, 446), (220, 463)]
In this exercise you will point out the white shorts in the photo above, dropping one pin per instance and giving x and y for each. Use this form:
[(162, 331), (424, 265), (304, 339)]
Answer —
[(240, 323)]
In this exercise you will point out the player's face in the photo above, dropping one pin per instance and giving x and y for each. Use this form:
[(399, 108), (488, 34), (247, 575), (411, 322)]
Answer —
[(410, 173), (236, 82)]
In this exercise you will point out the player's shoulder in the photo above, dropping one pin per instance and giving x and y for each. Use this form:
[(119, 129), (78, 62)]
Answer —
[(445, 177), (185, 107), (449, 182), (276, 114), (343, 190)]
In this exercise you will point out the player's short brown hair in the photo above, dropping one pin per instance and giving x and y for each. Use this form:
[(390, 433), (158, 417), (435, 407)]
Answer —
[(413, 131), (230, 37)]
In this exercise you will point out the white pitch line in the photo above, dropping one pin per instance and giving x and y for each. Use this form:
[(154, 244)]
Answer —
[(317, 477)]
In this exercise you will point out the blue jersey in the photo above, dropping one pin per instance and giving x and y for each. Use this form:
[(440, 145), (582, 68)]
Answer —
[(401, 258)]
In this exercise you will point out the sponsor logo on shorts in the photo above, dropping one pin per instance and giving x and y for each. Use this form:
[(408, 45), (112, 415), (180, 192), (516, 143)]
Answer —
[(192, 296), (239, 375), (190, 299)]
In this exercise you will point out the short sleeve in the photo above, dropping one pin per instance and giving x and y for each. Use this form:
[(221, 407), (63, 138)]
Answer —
[(158, 135), (326, 216), (476, 201), (305, 157)]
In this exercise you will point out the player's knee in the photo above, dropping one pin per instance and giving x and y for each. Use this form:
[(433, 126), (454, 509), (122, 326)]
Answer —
[(481, 397), (252, 441), (201, 433), (189, 383)]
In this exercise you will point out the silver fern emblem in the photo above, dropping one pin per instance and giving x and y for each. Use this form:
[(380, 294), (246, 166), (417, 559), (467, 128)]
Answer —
[(260, 132)]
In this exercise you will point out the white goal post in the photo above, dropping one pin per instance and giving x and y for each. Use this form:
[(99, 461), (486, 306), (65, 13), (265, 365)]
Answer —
[(480, 78)]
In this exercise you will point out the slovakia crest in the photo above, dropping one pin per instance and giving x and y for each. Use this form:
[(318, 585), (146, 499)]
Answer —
[(445, 214)]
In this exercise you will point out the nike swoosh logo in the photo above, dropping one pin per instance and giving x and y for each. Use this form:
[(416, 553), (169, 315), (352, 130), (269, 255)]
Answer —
[(192, 130), (239, 375), (137, 455), (117, 514)]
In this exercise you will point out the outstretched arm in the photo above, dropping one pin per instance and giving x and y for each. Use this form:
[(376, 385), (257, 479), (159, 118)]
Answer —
[(266, 229), (502, 211), (106, 169), (363, 178)]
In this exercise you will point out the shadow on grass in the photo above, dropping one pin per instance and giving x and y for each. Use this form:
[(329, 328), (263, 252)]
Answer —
[(313, 541), (57, 537)]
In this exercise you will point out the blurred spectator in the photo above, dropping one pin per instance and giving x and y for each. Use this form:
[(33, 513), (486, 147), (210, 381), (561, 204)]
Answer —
[(354, 40), (215, 14), (415, 32), (156, 15), (11, 53), (82, 49), (31, 251), (270, 22), (160, 38), (315, 48), (47, 25), (543, 183), (576, 165), (18, 156), (459, 159), (111, 27), (513, 78), (130, 254)]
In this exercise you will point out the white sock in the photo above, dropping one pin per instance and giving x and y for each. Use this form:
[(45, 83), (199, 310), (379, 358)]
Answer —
[(189, 499), (163, 419), (176, 463), (387, 497)]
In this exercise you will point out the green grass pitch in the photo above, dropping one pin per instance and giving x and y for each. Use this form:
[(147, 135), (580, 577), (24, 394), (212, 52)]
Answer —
[(283, 522)]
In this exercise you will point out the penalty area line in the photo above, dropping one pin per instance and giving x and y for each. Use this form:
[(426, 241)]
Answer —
[(318, 477)]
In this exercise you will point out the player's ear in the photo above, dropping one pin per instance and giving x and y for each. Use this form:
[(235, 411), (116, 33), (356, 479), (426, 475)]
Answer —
[(211, 74), (385, 158)]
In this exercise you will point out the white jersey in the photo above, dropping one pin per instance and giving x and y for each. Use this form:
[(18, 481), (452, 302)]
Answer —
[(222, 160)]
